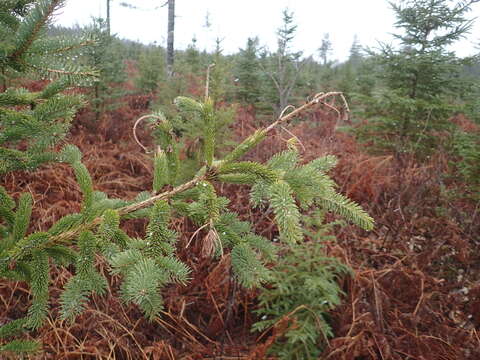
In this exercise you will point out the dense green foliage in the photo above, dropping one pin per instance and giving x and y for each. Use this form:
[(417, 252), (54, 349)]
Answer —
[(41, 118), (303, 288), (467, 146), (103, 56), (283, 66), (149, 63), (420, 79), (248, 74)]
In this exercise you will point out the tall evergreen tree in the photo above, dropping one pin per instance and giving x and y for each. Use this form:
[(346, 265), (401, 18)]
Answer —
[(192, 57), (105, 58), (325, 49), (219, 74), (355, 55), (151, 60), (348, 71), (247, 73), (422, 73), (423, 67), (283, 66)]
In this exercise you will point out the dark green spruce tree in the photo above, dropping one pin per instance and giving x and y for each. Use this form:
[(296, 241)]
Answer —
[(220, 79), (282, 67), (247, 73), (151, 59), (192, 60), (420, 77), (348, 72), (106, 58)]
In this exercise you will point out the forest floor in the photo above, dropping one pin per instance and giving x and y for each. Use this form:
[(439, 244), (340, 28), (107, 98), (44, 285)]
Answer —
[(415, 292)]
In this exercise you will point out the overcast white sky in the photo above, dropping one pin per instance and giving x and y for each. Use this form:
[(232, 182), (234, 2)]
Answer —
[(236, 20)]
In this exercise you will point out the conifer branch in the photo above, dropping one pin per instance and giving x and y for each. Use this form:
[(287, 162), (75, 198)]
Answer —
[(75, 46), (67, 73), (241, 149), (43, 12), (65, 237), (162, 196)]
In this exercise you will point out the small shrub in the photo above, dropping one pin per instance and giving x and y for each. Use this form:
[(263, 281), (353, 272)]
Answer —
[(302, 289), (467, 146)]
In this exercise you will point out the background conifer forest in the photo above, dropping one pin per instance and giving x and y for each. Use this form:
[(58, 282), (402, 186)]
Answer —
[(164, 203)]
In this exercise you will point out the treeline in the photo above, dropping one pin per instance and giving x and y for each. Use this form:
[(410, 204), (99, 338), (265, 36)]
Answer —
[(265, 79), (408, 93)]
